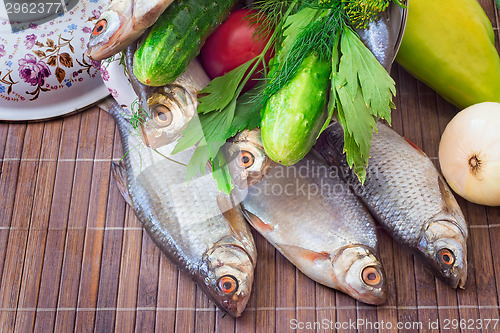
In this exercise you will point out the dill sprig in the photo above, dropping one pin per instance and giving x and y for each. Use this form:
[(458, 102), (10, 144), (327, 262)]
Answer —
[(139, 115), (269, 15), (270, 12), (361, 12), (316, 37)]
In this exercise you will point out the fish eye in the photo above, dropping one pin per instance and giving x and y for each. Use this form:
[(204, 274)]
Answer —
[(446, 257), (371, 276), (246, 159), (228, 284), (99, 27), (162, 115)]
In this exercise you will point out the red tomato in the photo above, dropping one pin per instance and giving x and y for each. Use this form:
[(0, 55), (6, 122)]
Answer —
[(233, 44)]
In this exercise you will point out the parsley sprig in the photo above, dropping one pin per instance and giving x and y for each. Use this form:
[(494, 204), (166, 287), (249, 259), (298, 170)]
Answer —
[(361, 90), (361, 93), (221, 115)]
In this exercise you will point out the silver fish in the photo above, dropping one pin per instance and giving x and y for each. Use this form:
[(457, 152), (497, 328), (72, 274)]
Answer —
[(123, 22), (184, 219), (383, 36), (166, 110), (314, 220), (407, 195)]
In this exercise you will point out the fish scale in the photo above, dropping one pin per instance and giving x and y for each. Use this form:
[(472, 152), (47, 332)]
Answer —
[(406, 194), (386, 157), (309, 214), (192, 223)]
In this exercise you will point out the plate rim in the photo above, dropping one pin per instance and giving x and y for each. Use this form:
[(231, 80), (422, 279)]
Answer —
[(63, 108)]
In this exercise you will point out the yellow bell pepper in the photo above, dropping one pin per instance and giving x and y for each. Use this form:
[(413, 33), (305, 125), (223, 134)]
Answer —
[(450, 46)]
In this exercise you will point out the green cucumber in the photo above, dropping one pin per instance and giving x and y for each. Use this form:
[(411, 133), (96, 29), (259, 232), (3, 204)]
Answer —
[(176, 39), (293, 117)]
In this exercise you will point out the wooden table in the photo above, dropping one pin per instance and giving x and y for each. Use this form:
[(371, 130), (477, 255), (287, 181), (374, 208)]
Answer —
[(73, 256)]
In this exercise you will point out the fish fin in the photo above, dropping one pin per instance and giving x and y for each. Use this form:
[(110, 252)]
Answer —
[(111, 106), (447, 196), (305, 254), (257, 223), (231, 212), (415, 146), (120, 175), (224, 203), (451, 205)]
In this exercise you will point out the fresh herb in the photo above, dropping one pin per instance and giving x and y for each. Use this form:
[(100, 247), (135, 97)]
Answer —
[(220, 116), (223, 90), (210, 130), (310, 30), (269, 14), (139, 115), (361, 12), (361, 90)]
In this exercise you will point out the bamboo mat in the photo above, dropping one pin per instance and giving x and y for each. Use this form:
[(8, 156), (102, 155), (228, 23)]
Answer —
[(73, 256)]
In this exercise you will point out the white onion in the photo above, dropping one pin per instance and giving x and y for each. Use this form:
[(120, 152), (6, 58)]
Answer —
[(469, 153)]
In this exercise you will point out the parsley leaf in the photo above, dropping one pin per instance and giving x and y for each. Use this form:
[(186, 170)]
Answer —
[(247, 115), (294, 25), (211, 130), (376, 84), (363, 91), (222, 90)]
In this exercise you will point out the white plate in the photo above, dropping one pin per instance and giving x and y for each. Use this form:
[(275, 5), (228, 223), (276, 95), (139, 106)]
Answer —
[(43, 71), (116, 79)]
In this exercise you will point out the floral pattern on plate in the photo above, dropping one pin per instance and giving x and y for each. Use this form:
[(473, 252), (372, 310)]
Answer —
[(48, 58)]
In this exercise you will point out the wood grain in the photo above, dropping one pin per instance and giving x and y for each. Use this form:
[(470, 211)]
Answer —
[(73, 256)]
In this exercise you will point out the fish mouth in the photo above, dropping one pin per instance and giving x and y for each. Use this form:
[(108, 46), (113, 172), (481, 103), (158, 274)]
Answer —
[(459, 279), (229, 259), (100, 50), (455, 281), (241, 305), (462, 279), (443, 247), (152, 137), (235, 307)]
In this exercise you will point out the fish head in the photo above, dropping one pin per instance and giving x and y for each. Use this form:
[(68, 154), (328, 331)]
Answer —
[(443, 243), (109, 35), (170, 108), (229, 276), (247, 160), (443, 240), (360, 274)]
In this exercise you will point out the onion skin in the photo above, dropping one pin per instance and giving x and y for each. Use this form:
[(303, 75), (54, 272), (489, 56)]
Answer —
[(469, 153)]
